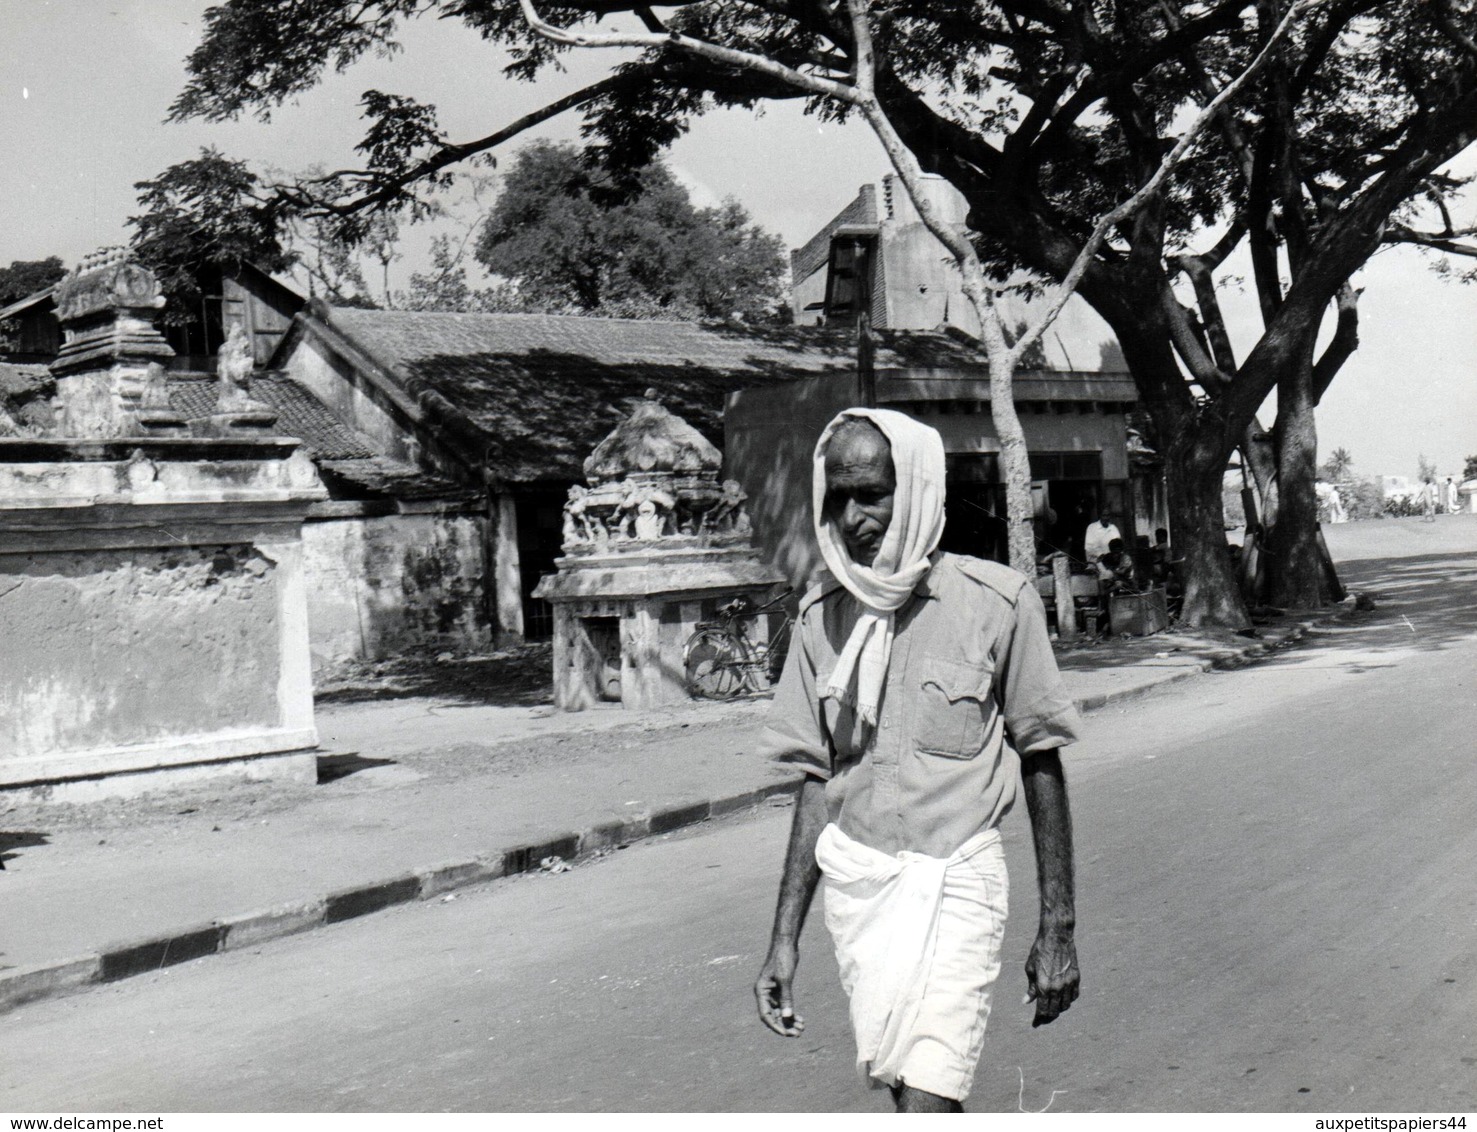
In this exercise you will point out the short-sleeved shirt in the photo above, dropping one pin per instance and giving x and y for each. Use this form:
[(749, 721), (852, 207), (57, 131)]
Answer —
[(1098, 538), (971, 683)]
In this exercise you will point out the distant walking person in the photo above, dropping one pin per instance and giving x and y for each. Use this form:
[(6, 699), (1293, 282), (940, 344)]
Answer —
[(1428, 500), (916, 684), (1453, 496)]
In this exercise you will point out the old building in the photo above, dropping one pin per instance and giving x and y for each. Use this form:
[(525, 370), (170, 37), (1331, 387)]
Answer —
[(1077, 403), (394, 557), (261, 303), (1075, 423), (876, 255), (155, 621), (508, 406)]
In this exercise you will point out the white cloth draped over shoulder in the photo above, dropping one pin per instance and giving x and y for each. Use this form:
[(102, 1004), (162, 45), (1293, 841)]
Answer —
[(895, 949), (902, 559)]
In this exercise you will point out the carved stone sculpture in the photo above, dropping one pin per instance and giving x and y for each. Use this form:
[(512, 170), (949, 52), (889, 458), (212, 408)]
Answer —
[(236, 411), (233, 371), (651, 543)]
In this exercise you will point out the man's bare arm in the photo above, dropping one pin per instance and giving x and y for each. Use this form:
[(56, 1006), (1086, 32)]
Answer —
[(797, 887), (1052, 967)]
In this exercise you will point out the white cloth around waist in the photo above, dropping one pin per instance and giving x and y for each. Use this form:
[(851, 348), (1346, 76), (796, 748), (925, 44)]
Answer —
[(883, 912)]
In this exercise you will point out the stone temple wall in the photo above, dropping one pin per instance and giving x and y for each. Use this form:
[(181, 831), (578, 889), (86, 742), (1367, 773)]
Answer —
[(392, 583), (153, 613), (79, 618)]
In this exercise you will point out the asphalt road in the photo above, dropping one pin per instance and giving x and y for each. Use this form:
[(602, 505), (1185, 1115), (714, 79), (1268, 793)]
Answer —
[(1277, 911)]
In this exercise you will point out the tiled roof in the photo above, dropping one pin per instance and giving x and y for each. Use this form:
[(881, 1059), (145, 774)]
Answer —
[(379, 477), (862, 211), (529, 396), (350, 467), (299, 413), (20, 306)]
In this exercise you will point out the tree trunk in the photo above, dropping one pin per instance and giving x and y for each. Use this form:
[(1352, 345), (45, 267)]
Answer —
[(1260, 460), (1198, 519), (1015, 467), (1294, 566)]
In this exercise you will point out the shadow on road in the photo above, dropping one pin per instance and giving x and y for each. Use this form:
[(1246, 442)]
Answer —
[(515, 677), (1424, 603), (19, 839)]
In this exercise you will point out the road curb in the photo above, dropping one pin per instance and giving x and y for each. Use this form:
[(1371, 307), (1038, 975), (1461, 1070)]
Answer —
[(233, 933), (153, 953), (1225, 659)]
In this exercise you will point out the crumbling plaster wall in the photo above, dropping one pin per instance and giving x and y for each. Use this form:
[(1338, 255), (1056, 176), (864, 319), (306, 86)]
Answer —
[(111, 648), (331, 379), (383, 585)]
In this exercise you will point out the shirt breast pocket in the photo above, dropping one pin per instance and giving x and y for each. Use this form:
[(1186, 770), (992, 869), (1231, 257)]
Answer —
[(954, 708)]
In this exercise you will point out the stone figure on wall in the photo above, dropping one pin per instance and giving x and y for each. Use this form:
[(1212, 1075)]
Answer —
[(649, 521), (576, 521), (156, 388), (233, 369), (728, 513), (649, 509)]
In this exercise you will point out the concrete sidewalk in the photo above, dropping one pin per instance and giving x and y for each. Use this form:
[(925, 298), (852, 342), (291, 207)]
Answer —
[(419, 797)]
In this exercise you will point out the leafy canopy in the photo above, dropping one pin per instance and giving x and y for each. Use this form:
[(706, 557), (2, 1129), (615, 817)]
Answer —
[(573, 239), (1043, 113), (27, 276), (210, 212)]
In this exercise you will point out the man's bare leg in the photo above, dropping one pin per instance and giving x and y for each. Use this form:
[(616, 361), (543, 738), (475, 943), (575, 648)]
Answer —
[(909, 1099)]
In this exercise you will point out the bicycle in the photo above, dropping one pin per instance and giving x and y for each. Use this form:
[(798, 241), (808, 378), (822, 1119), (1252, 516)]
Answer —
[(721, 662)]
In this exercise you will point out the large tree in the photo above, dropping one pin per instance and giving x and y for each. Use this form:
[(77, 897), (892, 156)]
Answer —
[(27, 276), (1044, 114), (574, 239)]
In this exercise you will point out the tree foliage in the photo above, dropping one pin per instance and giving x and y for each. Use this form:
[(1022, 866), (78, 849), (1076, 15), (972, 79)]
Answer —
[(209, 212), (27, 276), (1043, 114), (1337, 467), (573, 239)]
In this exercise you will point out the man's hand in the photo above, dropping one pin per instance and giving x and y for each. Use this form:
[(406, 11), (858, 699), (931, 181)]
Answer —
[(1052, 967), (1051, 974), (776, 1002)]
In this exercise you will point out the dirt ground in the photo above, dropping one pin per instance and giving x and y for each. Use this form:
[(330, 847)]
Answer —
[(519, 676)]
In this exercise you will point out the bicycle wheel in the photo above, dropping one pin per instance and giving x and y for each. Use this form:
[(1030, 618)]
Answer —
[(715, 663)]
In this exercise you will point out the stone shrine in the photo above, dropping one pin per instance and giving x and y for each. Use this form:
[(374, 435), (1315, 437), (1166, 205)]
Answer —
[(154, 611), (652, 546)]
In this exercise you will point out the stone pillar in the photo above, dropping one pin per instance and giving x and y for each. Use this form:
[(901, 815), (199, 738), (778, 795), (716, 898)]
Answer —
[(110, 354), (507, 568), (1066, 608)]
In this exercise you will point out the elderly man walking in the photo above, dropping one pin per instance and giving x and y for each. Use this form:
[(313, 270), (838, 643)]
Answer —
[(916, 683)]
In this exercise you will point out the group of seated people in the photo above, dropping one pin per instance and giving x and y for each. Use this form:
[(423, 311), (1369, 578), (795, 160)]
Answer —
[(1120, 570)]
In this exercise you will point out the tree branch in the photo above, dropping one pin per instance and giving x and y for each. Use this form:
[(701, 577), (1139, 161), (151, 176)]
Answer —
[(389, 188), (761, 64), (1198, 270), (1167, 166), (1441, 241), (1188, 343), (1343, 344), (1445, 12)]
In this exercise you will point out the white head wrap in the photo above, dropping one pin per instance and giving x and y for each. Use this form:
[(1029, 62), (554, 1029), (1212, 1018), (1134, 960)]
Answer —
[(902, 559)]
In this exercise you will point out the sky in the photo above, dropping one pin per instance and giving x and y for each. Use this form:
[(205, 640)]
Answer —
[(85, 86)]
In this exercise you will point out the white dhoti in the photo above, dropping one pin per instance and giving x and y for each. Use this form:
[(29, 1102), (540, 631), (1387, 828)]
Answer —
[(918, 942)]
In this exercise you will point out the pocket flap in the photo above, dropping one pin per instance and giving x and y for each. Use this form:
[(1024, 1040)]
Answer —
[(958, 680)]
